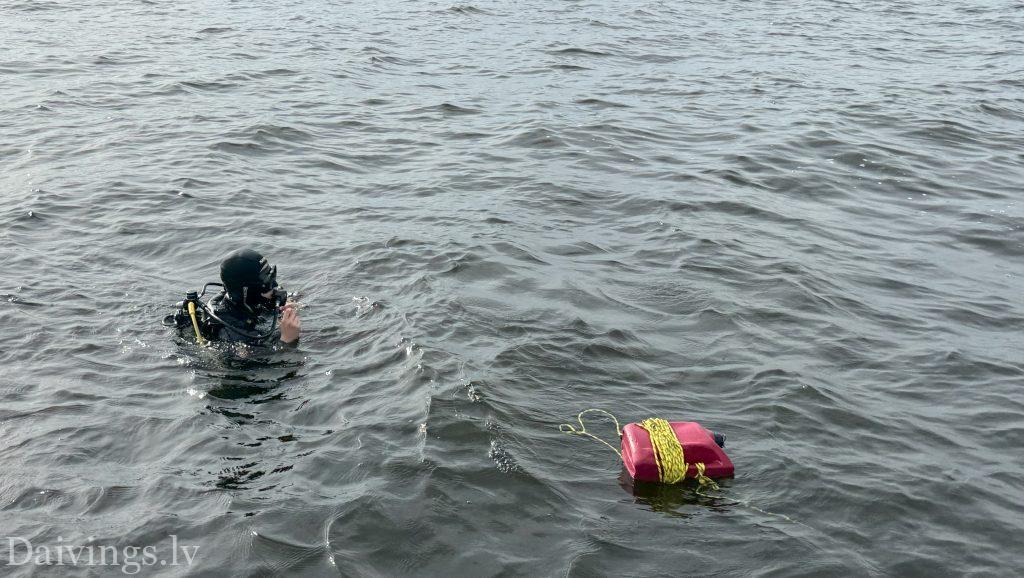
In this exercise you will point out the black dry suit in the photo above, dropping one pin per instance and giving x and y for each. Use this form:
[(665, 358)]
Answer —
[(240, 313)]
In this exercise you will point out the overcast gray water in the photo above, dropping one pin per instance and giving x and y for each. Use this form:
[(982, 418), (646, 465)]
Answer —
[(797, 222)]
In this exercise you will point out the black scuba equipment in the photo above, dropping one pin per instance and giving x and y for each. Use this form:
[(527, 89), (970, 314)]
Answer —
[(203, 318)]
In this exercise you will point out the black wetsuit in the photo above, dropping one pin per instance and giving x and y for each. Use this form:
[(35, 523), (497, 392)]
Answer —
[(242, 323), (232, 322)]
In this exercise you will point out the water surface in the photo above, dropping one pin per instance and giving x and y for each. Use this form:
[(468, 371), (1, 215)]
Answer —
[(796, 222)]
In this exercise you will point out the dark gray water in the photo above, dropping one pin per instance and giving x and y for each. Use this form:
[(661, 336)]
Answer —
[(799, 223)]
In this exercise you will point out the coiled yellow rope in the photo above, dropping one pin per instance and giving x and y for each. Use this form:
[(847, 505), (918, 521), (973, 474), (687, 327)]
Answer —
[(668, 452)]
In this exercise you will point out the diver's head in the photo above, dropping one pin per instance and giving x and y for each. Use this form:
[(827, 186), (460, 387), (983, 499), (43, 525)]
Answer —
[(248, 278)]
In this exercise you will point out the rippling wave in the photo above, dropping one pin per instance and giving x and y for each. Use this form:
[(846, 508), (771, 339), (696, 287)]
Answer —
[(797, 223)]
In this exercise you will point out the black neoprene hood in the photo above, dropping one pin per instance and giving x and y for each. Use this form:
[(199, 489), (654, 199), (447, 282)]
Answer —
[(247, 268)]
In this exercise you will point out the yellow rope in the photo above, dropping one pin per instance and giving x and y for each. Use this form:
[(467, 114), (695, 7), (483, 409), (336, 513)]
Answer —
[(195, 323), (668, 454), (570, 429)]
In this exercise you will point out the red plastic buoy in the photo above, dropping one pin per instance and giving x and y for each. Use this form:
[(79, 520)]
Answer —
[(698, 446)]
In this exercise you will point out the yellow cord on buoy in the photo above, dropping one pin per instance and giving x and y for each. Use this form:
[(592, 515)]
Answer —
[(195, 322), (570, 429), (668, 452)]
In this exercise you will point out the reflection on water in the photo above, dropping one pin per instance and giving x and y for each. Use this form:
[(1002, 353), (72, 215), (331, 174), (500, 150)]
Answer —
[(242, 379), (669, 499)]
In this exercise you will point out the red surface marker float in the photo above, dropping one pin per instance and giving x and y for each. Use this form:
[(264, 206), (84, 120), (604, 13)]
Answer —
[(656, 450), (698, 445)]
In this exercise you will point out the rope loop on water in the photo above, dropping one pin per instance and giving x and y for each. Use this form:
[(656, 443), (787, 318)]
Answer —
[(571, 429)]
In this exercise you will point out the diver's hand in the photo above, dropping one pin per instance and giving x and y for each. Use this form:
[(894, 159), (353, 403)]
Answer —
[(290, 323)]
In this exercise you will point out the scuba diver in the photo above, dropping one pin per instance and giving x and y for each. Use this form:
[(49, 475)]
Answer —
[(250, 301)]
